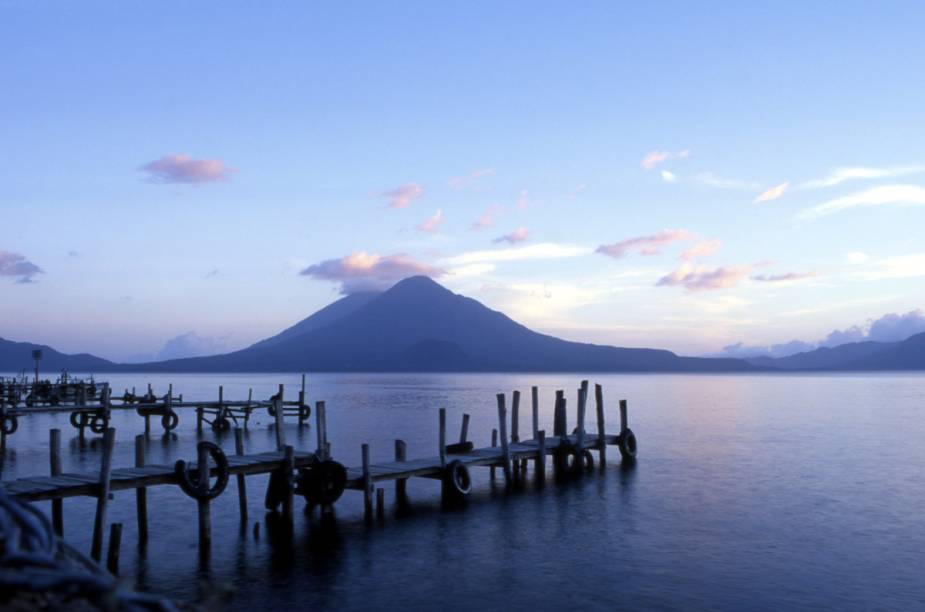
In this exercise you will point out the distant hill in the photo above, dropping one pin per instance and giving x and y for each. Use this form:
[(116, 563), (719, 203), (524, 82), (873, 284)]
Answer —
[(418, 325), (908, 354), (17, 356)]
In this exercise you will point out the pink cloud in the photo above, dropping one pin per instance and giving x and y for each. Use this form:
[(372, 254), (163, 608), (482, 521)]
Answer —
[(523, 200), (402, 196), (16, 266), (646, 245), (462, 182), (701, 249), (773, 193), (704, 279), (432, 223), (577, 191), (362, 271), (654, 158), (488, 217), (518, 235), (182, 168), (789, 276)]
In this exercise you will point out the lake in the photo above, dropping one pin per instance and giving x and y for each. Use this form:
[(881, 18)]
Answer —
[(750, 492)]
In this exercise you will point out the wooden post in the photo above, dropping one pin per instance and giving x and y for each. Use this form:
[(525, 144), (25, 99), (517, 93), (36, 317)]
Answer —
[(624, 424), (278, 409), (302, 401), (169, 401), (115, 543), (220, 412), (99, 521), (321, 430), (515, 417), (464, 430), (401, 450), (380, 503), (505, 449), (540, 466), (205, 519), (248, 408), (582, 408), (535, 396), (494, 443), (199, 411), (147, 424), (559, 418), (141, 493), (442, 437), (57, 505), (601, 426), (288, 469), (367, 483), (242, 486)]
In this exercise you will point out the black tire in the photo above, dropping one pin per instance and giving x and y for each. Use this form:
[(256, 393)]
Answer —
[(456, 479), (189, 481), (221, 424), (628, 445), (75, 420), (568, 460), (323, 483), (169, 421), (99, 423), (10, 424), (587, 460)]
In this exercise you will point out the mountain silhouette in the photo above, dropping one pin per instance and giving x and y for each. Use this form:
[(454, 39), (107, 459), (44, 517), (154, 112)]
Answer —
[(17, 356), (908, 354)]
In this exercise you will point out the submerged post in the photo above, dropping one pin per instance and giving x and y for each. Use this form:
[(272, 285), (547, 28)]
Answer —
[(601, 427), (242, 486), (115, 543), (623, 417), (540, 462), (205, 519), (367, 483), (57, 505), (442, 437), (505, 449), (99, 521), (494, 443), (288, 469), (401, 450), (141, 493), (464, 430)]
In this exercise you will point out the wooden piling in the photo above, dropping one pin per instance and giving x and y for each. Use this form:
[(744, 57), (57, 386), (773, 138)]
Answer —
[(57, 505), (380, 503), (624, 424), (559, 416), (401, 450), (464, 429), (288, 470), (199, 415), (601, 443), (205, 519), (99, 521), (442, 437), (242, 486), (505, 448), (540, 462), (535, 397), (321, 432), (278, 409), (115, 543), (367, 483), (141, 493), (302, 401), (494, 443), (515, 417), (582, 409)]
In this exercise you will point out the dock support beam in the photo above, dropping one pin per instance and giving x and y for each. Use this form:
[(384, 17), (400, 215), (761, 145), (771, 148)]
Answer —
[(367, 483), (242, 485), (505, 449), (601, 442), (99, 521), (141, 493), (57, 505), (205, 517), (442, 437), (401, 454)]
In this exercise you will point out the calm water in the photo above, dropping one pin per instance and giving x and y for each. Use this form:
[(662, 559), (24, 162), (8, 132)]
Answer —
[(751, 492)]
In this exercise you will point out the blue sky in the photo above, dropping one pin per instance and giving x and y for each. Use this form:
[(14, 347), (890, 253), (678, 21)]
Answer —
[(172, 167)]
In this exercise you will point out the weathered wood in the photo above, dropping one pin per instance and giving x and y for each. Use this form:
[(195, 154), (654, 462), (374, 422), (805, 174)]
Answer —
[(141, 493), (515, 417), (464, 429), (302, 401), (442, 437), (367, 482), (205, 518), (540, 462), (559, 415), (288, 470), (494, 443), (99, 521), (322, 430), (601, 443), (502, 432), (401, 452), (624, 420), (57, 505), (535, 397), (278, 410), (242, 483), (582, 409), (115, 544)]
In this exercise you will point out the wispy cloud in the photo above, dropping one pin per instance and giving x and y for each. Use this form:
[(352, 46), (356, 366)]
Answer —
[(779, 278), (470, 180), (701, 278), (543, 250), (431, 223), (841, 175), (518, 235), (902, 266), (488, 217), (885, 195), (773, 193), (523, 200), (362, 271), (646, 245), (402, 196), (654, 158), (181, 168), (16, 266), (711, 180), (668, 177), (701, 249)]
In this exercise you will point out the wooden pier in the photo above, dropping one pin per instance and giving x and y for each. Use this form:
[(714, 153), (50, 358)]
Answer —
[(320, 479)]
